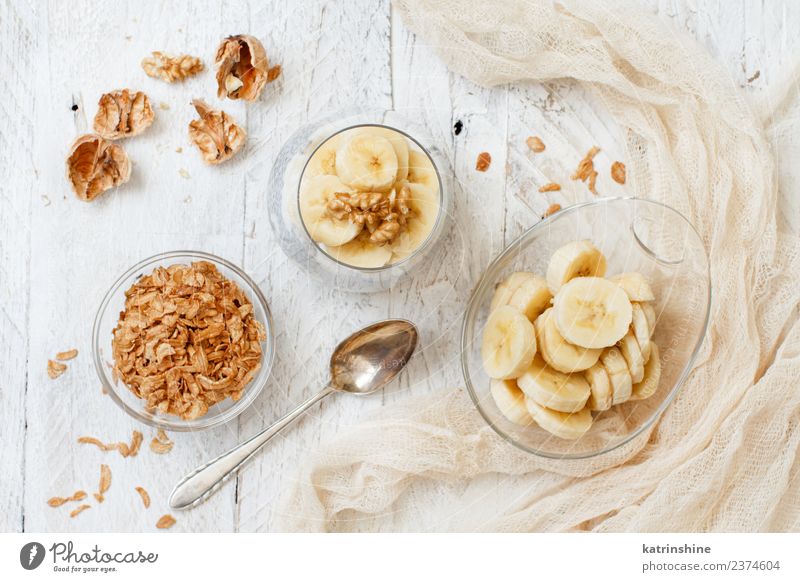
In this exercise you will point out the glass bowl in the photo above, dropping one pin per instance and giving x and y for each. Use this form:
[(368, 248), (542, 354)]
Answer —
[(635, 235), (106, 320), (284, 212)]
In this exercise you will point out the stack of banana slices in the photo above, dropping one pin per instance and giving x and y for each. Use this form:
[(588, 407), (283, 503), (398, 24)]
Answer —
[(559, 348), (368, 159)]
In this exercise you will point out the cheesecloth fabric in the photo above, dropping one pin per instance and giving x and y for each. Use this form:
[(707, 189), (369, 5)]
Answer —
[(724, 456)]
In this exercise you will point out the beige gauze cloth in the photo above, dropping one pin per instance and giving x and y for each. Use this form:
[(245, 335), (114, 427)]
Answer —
[(724, 456)]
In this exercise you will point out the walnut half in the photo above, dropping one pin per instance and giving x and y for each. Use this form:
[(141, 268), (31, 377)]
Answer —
[(242, 68), (123, 113), (95, 165), (171, 68), (215, 133)]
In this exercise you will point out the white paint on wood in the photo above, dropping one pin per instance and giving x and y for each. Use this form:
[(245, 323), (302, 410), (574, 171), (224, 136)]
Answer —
[(58, 255)]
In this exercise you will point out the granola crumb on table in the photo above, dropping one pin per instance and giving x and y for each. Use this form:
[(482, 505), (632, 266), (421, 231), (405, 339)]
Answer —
[(618, 172), (483, 162), (551, 187)]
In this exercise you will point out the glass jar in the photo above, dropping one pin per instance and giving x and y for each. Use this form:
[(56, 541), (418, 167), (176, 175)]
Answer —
[(634, 235), (108, 316), (292, 234)]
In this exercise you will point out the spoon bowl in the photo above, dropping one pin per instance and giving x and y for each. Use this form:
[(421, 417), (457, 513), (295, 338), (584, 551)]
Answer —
[(370, 358), (363, 363)]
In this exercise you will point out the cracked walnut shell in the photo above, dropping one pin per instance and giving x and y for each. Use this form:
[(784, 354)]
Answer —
[(215, 133), (242, 68), (95, 165), (123, 114)]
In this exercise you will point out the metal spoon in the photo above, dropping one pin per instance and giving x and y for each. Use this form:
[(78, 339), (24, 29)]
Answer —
[(363, 363)]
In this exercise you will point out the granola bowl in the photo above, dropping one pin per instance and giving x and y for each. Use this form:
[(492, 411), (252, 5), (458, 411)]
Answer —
[(634, 236), (216, 353), (359, 199)]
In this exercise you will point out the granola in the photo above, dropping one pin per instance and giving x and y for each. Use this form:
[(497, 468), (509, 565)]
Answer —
[(552, 209), (78, 510), (165, 522), (161, 443), (67, 355), (585, 170), (483, 162), (59, 501), (55, 369), (144, 495), (105, 483), (618, 172), (187, 339), (535, 144), (551, 187), (124, 449)]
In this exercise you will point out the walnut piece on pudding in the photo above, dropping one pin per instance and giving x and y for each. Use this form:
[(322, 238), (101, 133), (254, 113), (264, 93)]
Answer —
[(242, 68), (123, 113), (95, 165), (215, 134)]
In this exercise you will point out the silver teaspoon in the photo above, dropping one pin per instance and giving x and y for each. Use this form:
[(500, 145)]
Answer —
[(363, 363)]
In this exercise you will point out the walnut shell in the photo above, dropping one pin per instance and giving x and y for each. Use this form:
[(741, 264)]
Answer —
[(123, 113), (242, 68), (215, 133), (95, 165)]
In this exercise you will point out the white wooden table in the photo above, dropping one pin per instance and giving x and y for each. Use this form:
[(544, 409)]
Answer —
[(58, 255)]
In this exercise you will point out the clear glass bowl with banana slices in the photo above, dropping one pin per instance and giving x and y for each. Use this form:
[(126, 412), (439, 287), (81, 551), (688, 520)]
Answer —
[(359, 199), (581, 332)]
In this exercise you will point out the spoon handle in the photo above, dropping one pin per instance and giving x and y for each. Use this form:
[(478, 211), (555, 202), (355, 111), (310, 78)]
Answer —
[(204, 481)]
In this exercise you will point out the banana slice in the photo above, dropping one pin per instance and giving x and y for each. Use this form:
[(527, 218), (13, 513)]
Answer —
[(323, 160), (421, 170), (635, 285), (592, 312), (532, 297), (315, 193), (650, 314), (633, 356), (509, 343), (652, 375), (602, 395), (366, 162), (576, 259), (560, 424), (511, 401), (617, 369), (641, 330), (400, 145), (424, 205), (557, 352), (552, 389), (506, 289), (362, 252)]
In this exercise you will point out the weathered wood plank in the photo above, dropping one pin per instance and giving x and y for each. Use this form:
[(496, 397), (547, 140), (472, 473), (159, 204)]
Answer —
[(57, 256), (18, 49), (79, 249), (334, 56)]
